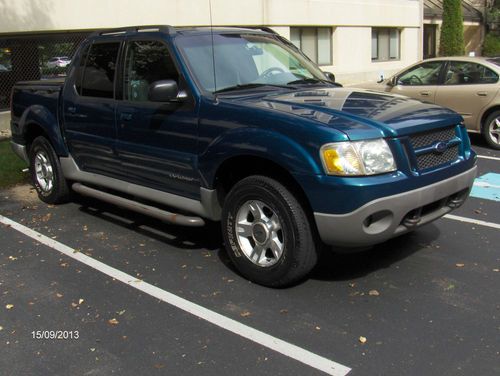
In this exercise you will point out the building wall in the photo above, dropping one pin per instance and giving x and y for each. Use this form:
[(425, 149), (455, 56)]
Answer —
[(351, 22)]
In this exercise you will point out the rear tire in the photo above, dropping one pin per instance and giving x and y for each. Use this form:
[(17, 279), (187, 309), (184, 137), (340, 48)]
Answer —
[(46, 173), (491, 130), (267, 233)]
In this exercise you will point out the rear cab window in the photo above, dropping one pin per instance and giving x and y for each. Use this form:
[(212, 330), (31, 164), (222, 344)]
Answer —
[(99, 72)]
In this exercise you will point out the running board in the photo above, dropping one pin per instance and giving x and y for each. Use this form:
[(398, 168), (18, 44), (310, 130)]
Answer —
[(148, 210)]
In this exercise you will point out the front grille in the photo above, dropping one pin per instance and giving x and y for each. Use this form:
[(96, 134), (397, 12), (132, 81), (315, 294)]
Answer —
[(421, 140), (432, 158)]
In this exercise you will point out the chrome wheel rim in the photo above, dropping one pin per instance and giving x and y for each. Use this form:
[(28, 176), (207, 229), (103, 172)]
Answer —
[(44, 172), (259, 233), (494, 131)]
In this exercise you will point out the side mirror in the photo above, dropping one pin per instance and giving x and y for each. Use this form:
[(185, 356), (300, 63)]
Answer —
[(330, 76), (392, 82), (163, 91)]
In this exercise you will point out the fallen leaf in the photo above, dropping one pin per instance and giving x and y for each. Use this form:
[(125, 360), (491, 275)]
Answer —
[(59, 295), (496, 270), (113, 321), (373, 293), (13, 258), (9, 306), (92, 349), (159, 366), (80, 301), (317, 328), (284, 311), (121, 312), (245, 314), (74, 305), (64, 264), (459, 265), (1, 328), (362, 339), (352, 284)]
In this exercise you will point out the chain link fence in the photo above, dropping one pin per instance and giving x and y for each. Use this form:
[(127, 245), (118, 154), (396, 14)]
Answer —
[(34, 57)]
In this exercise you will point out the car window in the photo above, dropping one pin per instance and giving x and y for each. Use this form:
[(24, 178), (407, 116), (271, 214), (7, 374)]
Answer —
[(99, 72), (145, 63), (467, 73), (422, 74)]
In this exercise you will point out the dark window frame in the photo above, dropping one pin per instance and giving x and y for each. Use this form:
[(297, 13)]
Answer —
[(315, 59), (377, 30)]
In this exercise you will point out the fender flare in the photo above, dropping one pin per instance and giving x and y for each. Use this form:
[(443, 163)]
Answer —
[(40, 116), (256, 142)]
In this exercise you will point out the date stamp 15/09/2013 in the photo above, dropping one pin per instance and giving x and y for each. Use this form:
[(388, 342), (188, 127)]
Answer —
[(55, 334)]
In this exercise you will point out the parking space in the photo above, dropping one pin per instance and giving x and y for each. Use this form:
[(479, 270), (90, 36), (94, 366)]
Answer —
[(427, 303)]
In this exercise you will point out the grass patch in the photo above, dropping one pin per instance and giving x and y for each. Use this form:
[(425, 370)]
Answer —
[(10, 167)]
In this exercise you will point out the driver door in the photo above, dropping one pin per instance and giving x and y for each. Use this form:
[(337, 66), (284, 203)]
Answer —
[(420, 82)]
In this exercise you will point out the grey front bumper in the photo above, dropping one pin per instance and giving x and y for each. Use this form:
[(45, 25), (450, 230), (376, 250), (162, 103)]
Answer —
[(386, 217), (20, 151)]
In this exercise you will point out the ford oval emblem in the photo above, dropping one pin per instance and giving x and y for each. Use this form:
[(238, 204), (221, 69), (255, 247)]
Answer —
[(440, 147)]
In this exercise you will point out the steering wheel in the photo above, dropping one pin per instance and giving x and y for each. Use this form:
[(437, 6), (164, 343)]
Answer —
[(271, 71), (416, 78)]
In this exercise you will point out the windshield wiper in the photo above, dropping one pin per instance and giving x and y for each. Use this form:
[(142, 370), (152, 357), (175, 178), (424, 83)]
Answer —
[(309, 81), (250, 86)]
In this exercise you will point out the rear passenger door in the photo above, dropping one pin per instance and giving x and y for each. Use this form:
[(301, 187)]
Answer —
[(156, 142), (89, 110), (468, 88)]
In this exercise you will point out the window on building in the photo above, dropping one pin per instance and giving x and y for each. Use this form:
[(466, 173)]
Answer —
[(385, 44), (315, 42), (145, 63), (99, 73)]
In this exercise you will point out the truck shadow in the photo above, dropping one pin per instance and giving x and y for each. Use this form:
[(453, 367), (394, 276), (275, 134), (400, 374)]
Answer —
[(189, 238), (332, 266), (342, 266)]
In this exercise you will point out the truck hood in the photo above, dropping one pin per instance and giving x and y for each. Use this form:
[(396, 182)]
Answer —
[(358, 113)]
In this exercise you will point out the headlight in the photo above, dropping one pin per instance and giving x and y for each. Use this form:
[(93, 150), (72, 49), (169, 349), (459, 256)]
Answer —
[(357, 158)]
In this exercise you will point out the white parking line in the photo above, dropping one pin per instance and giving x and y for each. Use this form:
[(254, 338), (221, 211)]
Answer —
[(473, 221), (304, 356), (488, 157)]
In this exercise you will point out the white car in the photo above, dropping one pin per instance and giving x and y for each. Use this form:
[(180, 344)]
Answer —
[(58, 62)]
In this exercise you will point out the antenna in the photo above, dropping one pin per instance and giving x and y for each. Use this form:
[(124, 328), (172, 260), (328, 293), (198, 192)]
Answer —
[(213, 48)]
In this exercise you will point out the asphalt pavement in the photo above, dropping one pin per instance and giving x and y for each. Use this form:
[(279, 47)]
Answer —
[(132, 295)]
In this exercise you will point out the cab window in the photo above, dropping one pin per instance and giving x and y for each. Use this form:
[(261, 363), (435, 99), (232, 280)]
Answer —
[(145, 63), (99, 73)]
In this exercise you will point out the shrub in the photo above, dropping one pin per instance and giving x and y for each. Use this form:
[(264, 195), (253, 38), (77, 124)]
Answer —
[(452, 29), (491, 45)]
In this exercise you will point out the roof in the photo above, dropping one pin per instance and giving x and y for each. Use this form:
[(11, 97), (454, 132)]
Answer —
[(434, 9)]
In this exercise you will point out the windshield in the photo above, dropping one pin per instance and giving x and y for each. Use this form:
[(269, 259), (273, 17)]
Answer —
[(245, 60)]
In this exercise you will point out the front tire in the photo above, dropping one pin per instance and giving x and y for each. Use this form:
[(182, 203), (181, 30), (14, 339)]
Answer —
[(46, 173), (491, 130), (267, 233)]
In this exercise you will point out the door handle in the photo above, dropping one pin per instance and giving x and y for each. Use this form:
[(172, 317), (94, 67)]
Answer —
[(125, 116), (482, 93), (425, 93)]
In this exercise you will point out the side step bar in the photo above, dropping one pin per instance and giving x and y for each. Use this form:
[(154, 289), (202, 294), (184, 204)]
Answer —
[(151, 211)]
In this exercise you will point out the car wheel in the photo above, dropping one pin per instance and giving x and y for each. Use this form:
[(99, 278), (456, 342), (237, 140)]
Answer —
[(267, 233), (491, 130), (46, 173)]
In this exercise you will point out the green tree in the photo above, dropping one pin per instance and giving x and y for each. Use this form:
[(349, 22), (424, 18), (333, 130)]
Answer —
[(452, 30)]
